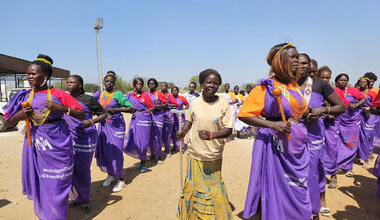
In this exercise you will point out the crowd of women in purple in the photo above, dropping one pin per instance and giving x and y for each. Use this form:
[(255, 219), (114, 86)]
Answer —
[(307, 130)]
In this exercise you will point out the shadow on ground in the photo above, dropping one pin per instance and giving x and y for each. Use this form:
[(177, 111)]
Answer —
[(366, 199)]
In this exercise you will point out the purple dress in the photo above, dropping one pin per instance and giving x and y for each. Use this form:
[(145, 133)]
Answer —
[(366, 132), (138, 136), (330, 151), (176, 124), (84, 142), (109, 147), (155, 143), (47, 165), (279, 169), (168, 126), (348, 140), (315, 143)]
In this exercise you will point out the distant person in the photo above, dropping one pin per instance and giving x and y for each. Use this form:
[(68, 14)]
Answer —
[(248, 89), (241, 95), (182, 104), (332, 124), (235, 104), (208, 120), (348, 140), (367, 122), (191, 94), (372, 79), (84, 136), (313, 68), (137, 139), (168, 119), (160, 104), (47, 165), (111, 132)]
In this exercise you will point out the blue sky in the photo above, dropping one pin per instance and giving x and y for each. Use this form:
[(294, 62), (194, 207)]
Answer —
[(172, 40)]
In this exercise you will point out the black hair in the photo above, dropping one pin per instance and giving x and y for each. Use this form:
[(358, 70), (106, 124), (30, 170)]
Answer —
[(112, 72), (173, 88), (306, 55), (135, 81), (165, 84), (205, 73), (154, 80), (323, 69), (370, 75), (45, 67), (242, 92), (194, 83), (80, 79), (340, 76), (236, 86)]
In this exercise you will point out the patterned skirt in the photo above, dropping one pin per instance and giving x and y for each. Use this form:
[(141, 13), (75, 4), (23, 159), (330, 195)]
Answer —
[(205, 195)]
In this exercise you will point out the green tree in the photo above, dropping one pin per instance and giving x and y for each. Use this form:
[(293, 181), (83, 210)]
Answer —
[(91, 87), (221, 88), (60, 84), (123, 86), (195, 79)]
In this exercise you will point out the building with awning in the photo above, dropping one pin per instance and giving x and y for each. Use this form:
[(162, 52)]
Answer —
[(15, 69)]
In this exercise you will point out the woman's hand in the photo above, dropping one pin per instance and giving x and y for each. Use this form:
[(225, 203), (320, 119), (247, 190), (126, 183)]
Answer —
[(27, 112), (149, 110), (53, 106), (204, 135), (281, 126), (366, 108), (111, 111), (316, 114), (181, 134), (353, 106), (87, 123)]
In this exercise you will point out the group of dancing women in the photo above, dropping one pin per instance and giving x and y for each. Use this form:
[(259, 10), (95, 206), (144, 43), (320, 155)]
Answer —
[(307, 130)]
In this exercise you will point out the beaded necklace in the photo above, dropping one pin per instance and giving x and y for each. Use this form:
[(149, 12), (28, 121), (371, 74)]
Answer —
[(39, 116), (109, 95)]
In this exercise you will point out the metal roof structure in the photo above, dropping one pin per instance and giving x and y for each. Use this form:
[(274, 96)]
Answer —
[(13, 65)]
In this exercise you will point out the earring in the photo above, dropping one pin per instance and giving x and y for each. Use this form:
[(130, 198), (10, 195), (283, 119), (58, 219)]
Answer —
[(43, 83)]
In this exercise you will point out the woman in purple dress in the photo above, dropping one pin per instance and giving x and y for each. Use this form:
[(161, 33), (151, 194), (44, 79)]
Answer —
[(280, 166), (138, 136), (316, 92), (47, 165), (182, 104), (168, 119), (367, 122), (111, 132), (160, 103), (348, 140), (84, 136)]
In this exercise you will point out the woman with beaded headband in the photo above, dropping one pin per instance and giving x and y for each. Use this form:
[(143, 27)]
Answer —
[(84, 136), (348, 141), (280, 166), (367, 122), (160, 103), (111, 132), (47, 165), (316, 92)]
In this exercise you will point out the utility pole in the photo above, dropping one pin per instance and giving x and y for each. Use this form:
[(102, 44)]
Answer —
[(98, 24)]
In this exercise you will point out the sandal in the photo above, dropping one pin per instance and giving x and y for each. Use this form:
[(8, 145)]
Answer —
[(138, 167), (332, 184), (350, 173), (324, 211), (144, 169), (86, 208), (72, 204)]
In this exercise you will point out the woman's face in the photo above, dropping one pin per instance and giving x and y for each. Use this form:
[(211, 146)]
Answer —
[(325, 75), (35, 75), (342, 82), (109, 83), (363, 84), (164, 87), (227, 87), (191, 87), (293, 55), (236, 90), (139, 85), (210, 85), (175, 92), (304, 65), (152, 85), (73, 85)]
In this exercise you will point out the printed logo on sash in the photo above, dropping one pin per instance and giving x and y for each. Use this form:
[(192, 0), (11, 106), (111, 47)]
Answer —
[(42, 143)]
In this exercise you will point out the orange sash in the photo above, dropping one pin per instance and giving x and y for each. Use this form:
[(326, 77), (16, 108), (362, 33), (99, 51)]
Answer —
[(109, 96)]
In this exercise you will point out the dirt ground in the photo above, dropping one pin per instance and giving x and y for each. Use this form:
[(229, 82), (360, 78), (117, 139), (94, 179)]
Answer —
[(154, 195)]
